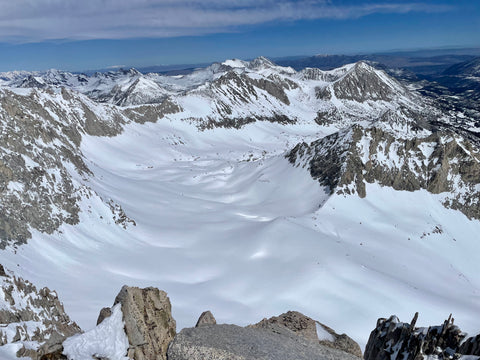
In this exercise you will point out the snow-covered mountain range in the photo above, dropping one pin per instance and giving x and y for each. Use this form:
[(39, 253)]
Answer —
[(246, 188)]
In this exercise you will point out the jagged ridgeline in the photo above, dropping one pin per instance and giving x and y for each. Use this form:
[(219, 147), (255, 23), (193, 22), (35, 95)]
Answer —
[(42, 170), (387, 133), (441, 162)]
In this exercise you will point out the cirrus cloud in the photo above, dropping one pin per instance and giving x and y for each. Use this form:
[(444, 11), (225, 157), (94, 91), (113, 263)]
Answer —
[(39, 20)]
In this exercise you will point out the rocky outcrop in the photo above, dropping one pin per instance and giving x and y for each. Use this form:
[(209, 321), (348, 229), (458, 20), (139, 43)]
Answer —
[(31, 315), (471, 346), (149, 324), (439, 162), (152, 113), (312, 330), (41, 162), (293, 320), (212, 342), (393, 340), (104, 313), (206, 318)]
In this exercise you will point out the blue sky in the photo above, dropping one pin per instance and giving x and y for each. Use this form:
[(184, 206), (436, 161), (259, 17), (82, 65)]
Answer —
[(93, 34)]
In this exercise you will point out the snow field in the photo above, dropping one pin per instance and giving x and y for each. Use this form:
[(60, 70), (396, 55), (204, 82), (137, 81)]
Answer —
[(225, 223)]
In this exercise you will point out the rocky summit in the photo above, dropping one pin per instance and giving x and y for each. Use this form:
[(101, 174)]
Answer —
[(211, 342), (311, 329), (140, 326)]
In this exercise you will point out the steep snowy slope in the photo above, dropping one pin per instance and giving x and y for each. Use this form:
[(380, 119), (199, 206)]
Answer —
[(225, 221)]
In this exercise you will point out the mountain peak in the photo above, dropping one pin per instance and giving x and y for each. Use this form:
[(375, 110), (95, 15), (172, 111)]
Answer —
[(363, 82), (132, 72), (261, 62), (235, 63)]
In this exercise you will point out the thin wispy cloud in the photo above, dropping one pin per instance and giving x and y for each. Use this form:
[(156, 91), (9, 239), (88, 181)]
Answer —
[(39, 20)]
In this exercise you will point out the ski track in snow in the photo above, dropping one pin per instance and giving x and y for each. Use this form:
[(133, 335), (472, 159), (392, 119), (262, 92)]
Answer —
[(247, 239)]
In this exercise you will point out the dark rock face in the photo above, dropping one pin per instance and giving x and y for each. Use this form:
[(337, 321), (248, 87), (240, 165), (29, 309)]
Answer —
[(151, 113), (206, 318), (104, 313), (440, 162), (471, 346), (149, 324), (213, 342), (363, 83), (306, 327), (393, 340), (2, 271), (238, 123)]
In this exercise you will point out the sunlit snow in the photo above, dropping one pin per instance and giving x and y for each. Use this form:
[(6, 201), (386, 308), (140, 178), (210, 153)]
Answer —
[(224, 222)]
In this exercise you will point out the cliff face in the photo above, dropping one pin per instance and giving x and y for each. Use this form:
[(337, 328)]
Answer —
[(441, 162), (42, 170)]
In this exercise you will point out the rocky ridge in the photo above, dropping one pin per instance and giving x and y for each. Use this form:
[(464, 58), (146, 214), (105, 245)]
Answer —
[(312, 330), (234, 342), (31, 316), (440, 161), (392, 340), (140, 326), (44, 175)]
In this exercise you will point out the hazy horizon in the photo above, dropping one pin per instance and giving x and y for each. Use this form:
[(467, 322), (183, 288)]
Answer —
[(89, 35)]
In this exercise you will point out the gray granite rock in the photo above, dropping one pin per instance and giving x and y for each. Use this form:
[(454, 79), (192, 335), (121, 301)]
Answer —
[(215, 342), (304, 326), (149, 324), (206, 318)]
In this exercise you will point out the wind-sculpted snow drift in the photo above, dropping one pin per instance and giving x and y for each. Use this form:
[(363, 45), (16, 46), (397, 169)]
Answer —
[(343, 193)]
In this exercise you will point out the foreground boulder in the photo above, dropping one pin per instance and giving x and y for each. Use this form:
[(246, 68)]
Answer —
[(312, 330), (393, 339), (149, 324), (213, 342), (138, 326)]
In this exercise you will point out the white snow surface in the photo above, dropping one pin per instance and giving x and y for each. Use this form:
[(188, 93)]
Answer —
[(224, 222), (9, 351), (323, 334), (107, 340), (253, 239)]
